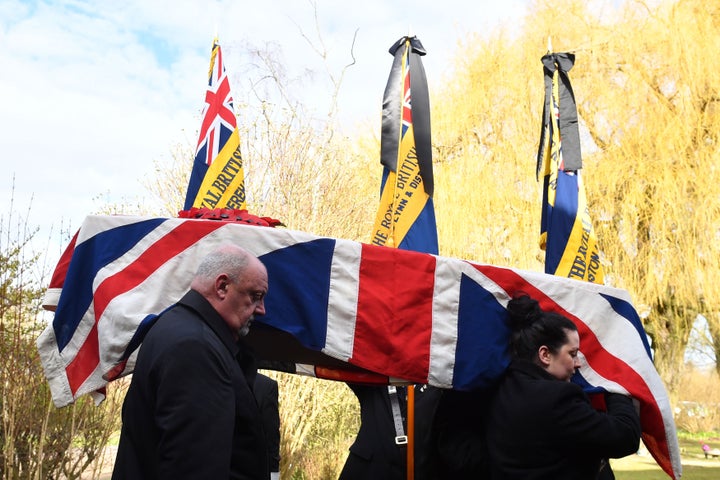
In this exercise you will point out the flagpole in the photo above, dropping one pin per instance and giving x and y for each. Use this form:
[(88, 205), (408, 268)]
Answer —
[(410, 453)]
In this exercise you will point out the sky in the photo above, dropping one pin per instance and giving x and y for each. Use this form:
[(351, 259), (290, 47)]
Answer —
[(92, 93)]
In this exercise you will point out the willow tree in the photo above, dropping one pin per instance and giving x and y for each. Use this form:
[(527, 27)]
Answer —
[(650, 97), (647, 87), (486, 130)]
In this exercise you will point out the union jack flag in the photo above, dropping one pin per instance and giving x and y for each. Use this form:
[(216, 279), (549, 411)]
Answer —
[(407, 102), (218, 113), (337, 304), (217, 179)]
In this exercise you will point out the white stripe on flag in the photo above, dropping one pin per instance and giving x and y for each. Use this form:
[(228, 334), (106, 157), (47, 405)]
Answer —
[(91, 227), (343, 299), (448, 277), (499, 293), (262, 240), (54, 368), (595, 379), (444, 336)]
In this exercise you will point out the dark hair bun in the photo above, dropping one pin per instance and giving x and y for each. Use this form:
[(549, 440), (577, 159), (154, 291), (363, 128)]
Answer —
[(523, 311)]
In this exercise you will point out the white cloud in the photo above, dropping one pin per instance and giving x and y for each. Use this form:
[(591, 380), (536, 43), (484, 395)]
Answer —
[(93, 92)]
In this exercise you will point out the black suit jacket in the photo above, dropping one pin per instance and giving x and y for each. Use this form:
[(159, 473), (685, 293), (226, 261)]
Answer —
[(189, 412), (374, 455), (539, 427), (266, 393), (459, 435)]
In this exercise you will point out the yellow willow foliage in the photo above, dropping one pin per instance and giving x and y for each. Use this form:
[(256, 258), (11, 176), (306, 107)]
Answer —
[(654, 183), (318, 422), (647, 85), (657, 178), (486, 125)]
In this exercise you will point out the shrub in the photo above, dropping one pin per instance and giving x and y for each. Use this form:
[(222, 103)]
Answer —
[(38, 439), (318, 421), (697, 409)]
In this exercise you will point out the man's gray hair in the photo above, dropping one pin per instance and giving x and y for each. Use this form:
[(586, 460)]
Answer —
[(228, 259)]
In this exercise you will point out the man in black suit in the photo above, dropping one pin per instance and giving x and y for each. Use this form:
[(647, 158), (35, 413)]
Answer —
[(190, 411), (377, 453)]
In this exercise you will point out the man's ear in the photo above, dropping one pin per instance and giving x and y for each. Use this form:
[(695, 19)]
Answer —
[(544, 355), (222, 283)]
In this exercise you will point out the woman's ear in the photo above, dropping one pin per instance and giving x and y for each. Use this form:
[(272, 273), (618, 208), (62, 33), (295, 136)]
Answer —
[(544, 355)]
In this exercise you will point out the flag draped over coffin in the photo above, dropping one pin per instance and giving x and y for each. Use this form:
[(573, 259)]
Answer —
[(217, 178), (329, 304), (566, 232), (406, 215)]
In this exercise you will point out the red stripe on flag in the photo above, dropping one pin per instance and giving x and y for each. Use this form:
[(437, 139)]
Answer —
[(604, 363), (58, 276), (351, 376), (173, 243), (210, 149), (216, 108), (394, 313)]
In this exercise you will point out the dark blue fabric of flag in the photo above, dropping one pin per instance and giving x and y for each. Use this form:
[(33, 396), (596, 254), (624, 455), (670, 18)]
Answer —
[(558, 220), (104, 248), (200, 168)]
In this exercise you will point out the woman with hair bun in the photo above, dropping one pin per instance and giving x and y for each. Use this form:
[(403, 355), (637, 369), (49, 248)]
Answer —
[(542, 426)]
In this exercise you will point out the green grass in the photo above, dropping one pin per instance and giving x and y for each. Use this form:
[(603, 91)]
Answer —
[(695, 465)]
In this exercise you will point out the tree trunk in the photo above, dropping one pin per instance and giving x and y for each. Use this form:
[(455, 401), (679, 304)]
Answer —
[(669, 326), (713, 322)]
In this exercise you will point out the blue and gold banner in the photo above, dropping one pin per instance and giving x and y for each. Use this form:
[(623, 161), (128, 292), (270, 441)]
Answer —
[(217, 179), (406, 215), (566, 232)]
